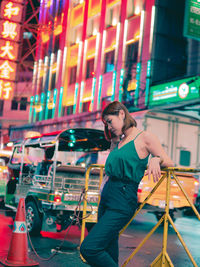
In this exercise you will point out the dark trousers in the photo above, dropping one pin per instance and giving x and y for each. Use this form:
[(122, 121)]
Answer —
[(117, 206)]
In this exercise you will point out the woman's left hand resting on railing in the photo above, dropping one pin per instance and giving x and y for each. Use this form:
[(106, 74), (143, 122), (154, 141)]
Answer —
[(159, 157)]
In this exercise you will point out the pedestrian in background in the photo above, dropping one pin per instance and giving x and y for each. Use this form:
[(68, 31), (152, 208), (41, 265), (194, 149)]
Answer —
[(125, 167)]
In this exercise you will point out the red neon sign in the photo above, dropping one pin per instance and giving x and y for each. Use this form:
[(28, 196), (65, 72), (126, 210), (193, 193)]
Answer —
[(6, 89), (11, 11), (8, 50), (10, 14), (7, 70), (10, 30)]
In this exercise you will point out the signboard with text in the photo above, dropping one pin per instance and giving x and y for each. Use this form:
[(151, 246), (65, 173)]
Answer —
[(11, 15), (192, 19), (174, 92)]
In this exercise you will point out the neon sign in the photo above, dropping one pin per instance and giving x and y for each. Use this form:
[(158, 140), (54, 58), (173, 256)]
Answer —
[(173, 92), (11, 15), (5, 89)]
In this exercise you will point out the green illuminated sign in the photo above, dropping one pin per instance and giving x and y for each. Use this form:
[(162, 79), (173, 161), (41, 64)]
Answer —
[(192, 19), (173, 92)]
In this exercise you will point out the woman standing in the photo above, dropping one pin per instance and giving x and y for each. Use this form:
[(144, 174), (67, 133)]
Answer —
[(125, 167)]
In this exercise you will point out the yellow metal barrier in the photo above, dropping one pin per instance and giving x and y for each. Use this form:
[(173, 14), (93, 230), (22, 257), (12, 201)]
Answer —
[(91, 217), (163, 259)]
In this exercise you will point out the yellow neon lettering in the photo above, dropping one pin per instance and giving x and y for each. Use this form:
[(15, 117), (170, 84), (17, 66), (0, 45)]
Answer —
[(5, 70), (10, 10), (7, 50), (9, 30)]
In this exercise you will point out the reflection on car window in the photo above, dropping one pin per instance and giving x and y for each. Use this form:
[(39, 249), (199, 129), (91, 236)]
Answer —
[(2, 162), (16, 158), (31, 155)]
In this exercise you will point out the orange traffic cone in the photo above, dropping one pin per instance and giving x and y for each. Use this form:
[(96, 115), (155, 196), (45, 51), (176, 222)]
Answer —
[(18, 250)]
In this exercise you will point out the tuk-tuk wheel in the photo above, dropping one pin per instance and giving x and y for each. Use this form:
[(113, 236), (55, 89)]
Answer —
[(33, 219)]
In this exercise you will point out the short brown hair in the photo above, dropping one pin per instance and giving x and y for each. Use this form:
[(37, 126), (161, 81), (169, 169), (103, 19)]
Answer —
[(113, 108)]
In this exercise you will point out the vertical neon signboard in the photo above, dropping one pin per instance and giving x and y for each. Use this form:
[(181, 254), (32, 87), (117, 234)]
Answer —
[(93, 91), (99, 92), (47, 102), (11, 13), (42, 106), (121, 84), (54, 102), (113, 85), (35, 108), (81, 96), (31, 108), (147, 81), (75, 98), (138, 70), (60, 103)]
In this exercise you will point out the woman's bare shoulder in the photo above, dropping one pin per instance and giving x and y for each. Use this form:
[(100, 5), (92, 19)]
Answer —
[(149, 136)]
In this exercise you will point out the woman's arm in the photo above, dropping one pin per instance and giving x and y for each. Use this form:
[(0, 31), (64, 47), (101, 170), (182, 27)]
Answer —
[(159, 156)]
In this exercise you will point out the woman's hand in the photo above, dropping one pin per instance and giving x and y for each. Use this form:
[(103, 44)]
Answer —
[(159, 156), (154, 169)]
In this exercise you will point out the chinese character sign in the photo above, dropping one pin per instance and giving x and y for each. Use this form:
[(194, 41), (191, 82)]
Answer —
[(11, 11), (6, 89), (11, 14), (10, 30)]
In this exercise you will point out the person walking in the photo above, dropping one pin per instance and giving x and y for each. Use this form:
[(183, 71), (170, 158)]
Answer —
[(125, 167)]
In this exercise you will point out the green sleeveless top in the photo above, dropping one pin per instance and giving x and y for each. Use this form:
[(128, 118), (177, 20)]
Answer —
[(124, 163)]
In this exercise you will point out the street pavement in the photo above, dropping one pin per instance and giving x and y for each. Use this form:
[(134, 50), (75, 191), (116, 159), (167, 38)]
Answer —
[(68, 255)]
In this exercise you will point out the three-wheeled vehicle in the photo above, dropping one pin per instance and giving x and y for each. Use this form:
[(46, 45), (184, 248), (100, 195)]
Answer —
[(49, 172)]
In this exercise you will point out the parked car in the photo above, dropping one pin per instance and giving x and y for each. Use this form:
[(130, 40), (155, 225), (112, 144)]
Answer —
[(178, 204)]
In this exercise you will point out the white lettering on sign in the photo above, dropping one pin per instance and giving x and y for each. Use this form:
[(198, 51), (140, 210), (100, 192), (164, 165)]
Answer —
[(195, 10)]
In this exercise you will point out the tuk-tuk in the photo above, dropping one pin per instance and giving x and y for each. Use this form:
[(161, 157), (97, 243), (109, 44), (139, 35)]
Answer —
[(49, 172)]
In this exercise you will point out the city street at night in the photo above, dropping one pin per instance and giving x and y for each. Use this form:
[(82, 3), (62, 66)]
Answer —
[(99, 113), (188, 226)]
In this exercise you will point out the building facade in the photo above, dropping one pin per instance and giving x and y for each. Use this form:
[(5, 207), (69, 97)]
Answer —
[(95, 51), (90, 52)]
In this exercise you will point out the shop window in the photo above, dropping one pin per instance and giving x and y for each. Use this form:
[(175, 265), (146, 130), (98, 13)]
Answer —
[(53, 81), (130, 8), (90, 68), (50, 112), (72, 78), (75, 3), (56, 43), (132, 53), (90, 27), (1, 107), (69, 109), (93, 26), (75, 34), (23, 103), (109, 61), (86, 106), (14, 104), (185, 157), (112, 15)]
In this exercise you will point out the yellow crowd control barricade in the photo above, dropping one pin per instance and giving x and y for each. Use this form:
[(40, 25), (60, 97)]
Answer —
[(163, 259), (88, 216)]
